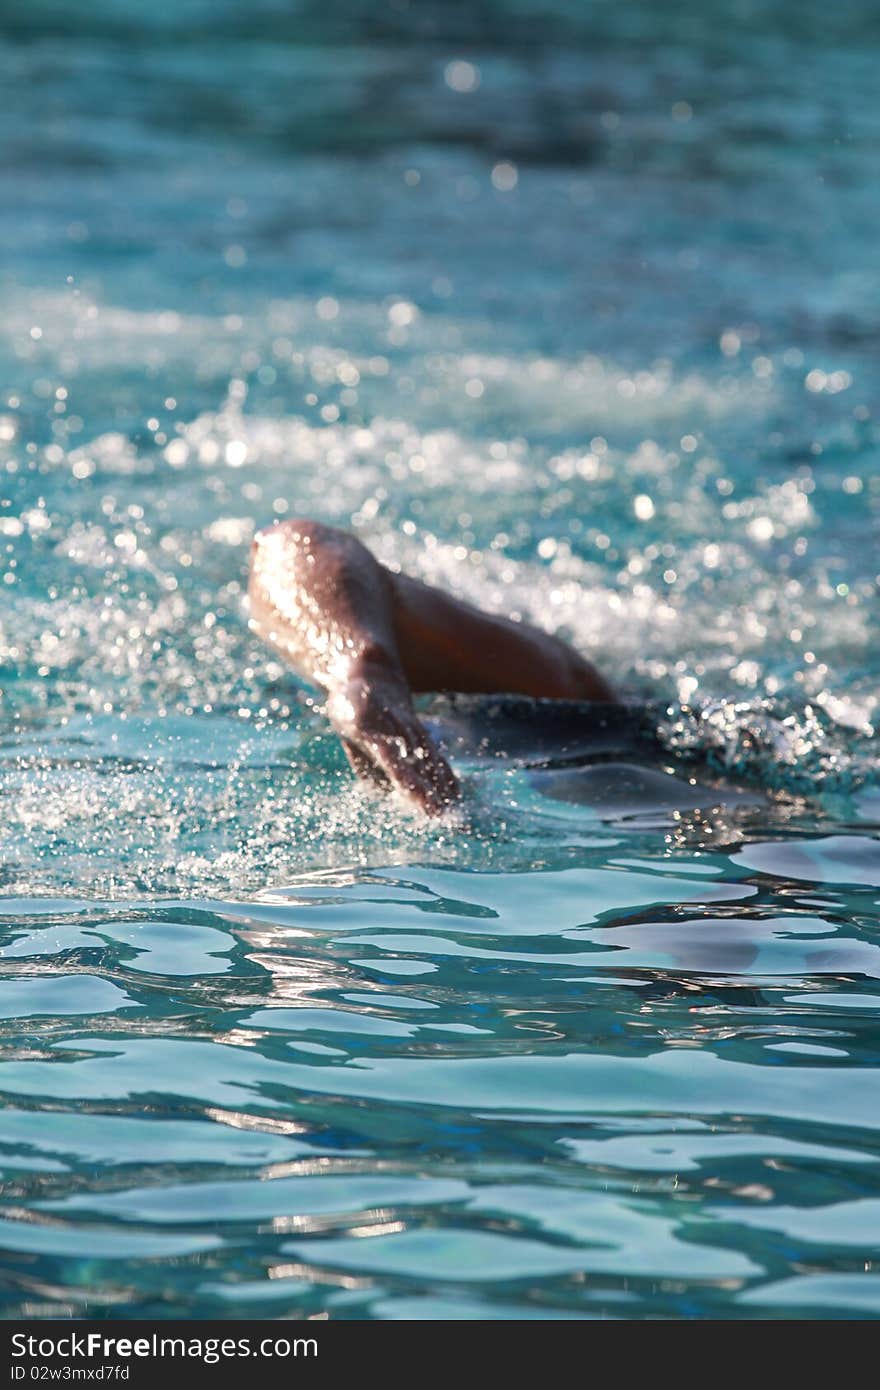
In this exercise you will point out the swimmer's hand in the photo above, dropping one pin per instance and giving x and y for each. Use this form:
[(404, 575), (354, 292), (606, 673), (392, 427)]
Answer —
[(385, 742)]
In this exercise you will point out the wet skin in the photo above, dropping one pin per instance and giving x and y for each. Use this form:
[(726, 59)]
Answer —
[(372, 638)]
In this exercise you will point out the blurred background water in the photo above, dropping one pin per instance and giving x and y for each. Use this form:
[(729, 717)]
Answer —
[(574, 309)]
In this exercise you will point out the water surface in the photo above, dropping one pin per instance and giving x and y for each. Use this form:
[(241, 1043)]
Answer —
[(574, 310)]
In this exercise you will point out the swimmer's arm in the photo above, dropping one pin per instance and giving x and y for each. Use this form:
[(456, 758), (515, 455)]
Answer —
[(371, 638), (447, 644), (322, 601)]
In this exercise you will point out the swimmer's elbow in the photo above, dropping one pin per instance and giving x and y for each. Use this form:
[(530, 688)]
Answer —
[(278, 549), (293, 534)]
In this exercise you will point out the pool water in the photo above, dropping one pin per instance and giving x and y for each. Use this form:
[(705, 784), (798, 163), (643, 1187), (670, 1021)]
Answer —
[(573, 309)]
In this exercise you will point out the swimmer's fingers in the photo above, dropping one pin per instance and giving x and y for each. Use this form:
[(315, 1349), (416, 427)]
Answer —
[(384, 741), (415, 767), (363, 766)]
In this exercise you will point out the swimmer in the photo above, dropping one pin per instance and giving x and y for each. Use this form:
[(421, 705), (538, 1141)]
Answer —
[(372, 639)]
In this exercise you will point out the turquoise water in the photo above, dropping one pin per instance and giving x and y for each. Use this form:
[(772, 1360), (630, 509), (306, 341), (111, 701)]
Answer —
[(573, 309)]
